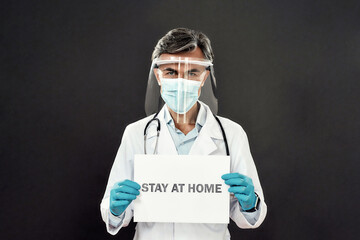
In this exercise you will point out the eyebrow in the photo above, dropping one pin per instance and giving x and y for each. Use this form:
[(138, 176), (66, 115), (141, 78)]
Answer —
[(170, 69), (173, 70)]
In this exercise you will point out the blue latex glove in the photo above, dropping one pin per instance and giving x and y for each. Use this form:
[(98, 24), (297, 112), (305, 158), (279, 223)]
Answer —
[(121, 195), (243, 189)]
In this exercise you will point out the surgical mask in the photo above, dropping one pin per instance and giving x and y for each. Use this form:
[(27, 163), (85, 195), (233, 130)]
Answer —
[(180, 94)]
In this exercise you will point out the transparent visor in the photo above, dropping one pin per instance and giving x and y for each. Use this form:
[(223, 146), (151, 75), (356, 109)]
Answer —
[(180, 81)]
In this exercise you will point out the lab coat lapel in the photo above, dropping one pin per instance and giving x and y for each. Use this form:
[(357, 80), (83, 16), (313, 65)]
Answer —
[(204, 144)]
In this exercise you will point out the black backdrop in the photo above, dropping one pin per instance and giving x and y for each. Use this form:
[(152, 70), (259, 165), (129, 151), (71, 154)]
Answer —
[(73, 75)]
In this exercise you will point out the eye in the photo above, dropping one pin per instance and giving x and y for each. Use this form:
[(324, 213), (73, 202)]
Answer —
[(170, 73)]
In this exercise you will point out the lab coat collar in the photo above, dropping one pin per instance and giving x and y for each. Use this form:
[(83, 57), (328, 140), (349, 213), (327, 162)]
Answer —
[(200, 119), (204, 143), (211, 126)]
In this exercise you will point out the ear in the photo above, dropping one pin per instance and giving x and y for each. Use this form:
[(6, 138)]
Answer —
[(156, 73)]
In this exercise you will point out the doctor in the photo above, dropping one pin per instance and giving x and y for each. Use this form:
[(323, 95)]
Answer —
[(182, 61)]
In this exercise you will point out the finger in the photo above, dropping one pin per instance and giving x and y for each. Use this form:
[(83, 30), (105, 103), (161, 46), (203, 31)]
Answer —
[(124, 196), (130, 183), (232, 175), (249, 181), (242, 197), (250, 188), (236, 182), (119, 203), (241, 190), (127, 189)]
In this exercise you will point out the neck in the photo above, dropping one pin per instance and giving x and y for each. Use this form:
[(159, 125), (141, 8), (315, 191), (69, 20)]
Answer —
[(185, 122)]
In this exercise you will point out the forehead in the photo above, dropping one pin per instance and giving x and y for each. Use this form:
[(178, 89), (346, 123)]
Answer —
[(196, 53), (182, 67), (184, 60)]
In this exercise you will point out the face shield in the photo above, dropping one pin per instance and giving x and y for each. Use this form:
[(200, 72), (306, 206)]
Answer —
[(179, 81)]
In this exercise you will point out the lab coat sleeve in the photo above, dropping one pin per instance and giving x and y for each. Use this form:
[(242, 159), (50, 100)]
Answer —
[(242, 162), (122, 169), (251, 217)]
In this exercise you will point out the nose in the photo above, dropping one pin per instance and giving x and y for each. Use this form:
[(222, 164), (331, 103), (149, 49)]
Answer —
[(182, 69), (181, 74)]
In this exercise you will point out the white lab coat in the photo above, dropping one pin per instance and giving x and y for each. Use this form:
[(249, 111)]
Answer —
[(209, 142)]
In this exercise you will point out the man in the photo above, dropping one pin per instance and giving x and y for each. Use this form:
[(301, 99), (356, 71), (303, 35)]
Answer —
[(181, 65)]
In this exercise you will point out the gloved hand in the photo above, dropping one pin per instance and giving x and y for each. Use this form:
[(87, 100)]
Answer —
[(243, 189), (121, 195)]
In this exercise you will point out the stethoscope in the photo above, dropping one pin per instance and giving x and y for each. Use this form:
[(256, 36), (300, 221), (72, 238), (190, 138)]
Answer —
[(158, 133)]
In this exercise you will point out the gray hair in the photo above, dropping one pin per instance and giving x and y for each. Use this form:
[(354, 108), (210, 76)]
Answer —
[(183, 40)]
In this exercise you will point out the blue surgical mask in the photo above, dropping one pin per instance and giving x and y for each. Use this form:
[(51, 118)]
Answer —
[(179, 94)]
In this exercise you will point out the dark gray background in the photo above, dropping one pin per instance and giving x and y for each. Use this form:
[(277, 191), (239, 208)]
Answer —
[(73, 75)]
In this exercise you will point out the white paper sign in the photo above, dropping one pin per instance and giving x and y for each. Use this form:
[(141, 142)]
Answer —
[(181, 188)]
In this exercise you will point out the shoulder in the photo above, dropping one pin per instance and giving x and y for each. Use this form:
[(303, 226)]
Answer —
[(231, 125), (137, 128), (233, 130)]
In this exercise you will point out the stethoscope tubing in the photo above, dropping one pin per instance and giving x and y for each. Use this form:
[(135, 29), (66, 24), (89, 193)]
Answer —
[(158, 133)]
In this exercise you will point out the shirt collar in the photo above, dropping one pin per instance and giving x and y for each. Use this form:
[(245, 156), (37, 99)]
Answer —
[(200, 119)]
